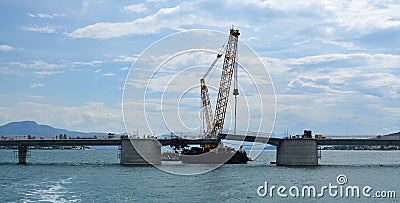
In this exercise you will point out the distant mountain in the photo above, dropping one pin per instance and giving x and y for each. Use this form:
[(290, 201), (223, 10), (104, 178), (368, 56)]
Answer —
[(24, 128), (394, 134), (391, 136)]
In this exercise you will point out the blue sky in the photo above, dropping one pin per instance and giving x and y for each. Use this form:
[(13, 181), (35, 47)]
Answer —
[(334, 64)]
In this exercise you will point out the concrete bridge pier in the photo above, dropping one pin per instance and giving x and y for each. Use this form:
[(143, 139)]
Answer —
[(297, 152), (22, 154), (140, 152)]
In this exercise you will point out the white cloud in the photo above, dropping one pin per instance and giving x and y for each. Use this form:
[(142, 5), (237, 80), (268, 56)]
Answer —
[(6, 48), (372, 60), (36, 97), (47, 73), (42, 68), (148, 25), (321, 58), (312, 85), (124, 58), (108, 74), (286, 6), (352, 14), (364, 15), (322, 91), (136, 8), (10, 71), (124, 68), (37, 64), (155, 1), (344, 44), (40, 29), (369, 74), (88, 117), (36, 85), (44, 15), (185, 14), (87, 63), (250, 39), (345, 112), (338, 22), (38, 67), (43, 65)]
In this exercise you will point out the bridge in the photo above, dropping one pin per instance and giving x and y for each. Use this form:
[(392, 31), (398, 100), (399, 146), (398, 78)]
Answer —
[(328, 141), (299, 151), (304, 151), (24, 144), (100, 142), (358, 142), (60, 142), (177, 141)]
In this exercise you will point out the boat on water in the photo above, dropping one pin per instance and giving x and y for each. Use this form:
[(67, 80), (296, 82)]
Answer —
[(209, 155)]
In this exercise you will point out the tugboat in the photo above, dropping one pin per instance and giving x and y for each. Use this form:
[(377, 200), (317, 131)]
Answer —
[(211, 154)]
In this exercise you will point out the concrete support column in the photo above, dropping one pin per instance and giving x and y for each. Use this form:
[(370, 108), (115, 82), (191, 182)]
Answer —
[(22, 154), (140, 152), (297, 152)]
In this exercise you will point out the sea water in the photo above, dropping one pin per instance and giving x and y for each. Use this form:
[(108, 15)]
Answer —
[(96, 176)]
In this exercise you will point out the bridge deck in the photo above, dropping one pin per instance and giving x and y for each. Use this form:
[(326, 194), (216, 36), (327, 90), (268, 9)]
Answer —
[(69, 142), (330, 142), (250, 138), (368, 142), (183, 142), (100, 142)]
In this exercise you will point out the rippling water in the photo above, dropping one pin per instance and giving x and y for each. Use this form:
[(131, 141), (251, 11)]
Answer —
[(96, 176)]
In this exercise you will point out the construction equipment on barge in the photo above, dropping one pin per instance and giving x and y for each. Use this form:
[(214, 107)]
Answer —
[(213, 153)]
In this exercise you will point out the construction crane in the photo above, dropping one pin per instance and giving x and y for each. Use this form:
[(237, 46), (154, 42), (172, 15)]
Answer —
[(224, 88), (206, 104), (207, 111)]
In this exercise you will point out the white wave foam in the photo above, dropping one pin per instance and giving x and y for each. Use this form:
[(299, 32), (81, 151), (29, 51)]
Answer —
[(50, 191)]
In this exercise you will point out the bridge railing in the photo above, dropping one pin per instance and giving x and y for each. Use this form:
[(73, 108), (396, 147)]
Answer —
[(351, 136)]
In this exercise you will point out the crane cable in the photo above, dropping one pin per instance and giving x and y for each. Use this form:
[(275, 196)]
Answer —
[(216, 61), (235, 89)]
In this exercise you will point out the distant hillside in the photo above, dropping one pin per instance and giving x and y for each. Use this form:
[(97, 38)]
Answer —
[(391, 136), (24, 128), (394, 134)]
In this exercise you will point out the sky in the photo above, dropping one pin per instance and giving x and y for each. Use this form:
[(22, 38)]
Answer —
[(334, 64)]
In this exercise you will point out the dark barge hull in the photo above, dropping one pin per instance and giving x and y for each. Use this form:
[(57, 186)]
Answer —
[(227, 157)]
